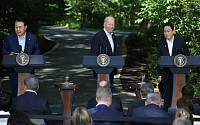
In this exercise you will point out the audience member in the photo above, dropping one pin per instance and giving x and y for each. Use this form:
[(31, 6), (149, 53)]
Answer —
[(30, 102), (186, 113), (187, 92), (116, 102), (81, 116), (19, 118), (104, 100), (145, 89), (182, 121), (5, 104), (151, 109)]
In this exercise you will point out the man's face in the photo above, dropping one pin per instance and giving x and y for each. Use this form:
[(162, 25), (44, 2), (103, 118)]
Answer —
[(20, 28), (109, 25), (168, 32), (103, 83)]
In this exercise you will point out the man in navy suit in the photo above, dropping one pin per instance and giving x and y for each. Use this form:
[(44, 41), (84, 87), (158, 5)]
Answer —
[(104, 100), (104, 42), (151, 109), (145, 88), (30, 102), (169, 46), (20, 41), (116, 102), (187, 92)]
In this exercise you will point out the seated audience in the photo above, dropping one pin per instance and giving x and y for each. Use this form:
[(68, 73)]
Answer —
[(182, 121), (152, 108), (116, 102), (186, 113), (187, 92), (5, 104), (104, 100), (19, 118), (30, 102), (145, 89), (81, 116)]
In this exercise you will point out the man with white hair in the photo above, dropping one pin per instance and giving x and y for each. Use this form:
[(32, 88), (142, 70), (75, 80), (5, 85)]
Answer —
[(151, 109)]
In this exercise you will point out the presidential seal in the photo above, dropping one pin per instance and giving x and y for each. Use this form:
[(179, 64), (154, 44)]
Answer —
[(180, 60), (103, 60), (22, 59)]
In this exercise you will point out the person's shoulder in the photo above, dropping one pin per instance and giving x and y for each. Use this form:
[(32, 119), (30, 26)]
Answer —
[(99, 33), (11, 35), (30, 34), (176, 38)]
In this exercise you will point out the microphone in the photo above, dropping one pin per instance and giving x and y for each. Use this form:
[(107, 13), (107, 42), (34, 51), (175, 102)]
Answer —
[(26, 48), (20, 48), (182, 50), (100, 50), (106, 50)]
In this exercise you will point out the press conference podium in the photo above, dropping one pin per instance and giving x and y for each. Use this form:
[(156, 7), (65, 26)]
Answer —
[(34, 61), (103, 73), (179, 73)]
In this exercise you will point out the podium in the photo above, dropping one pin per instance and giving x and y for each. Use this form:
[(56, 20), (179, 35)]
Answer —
[(34, 61), (179, 73), (103, 73), (67, 92)]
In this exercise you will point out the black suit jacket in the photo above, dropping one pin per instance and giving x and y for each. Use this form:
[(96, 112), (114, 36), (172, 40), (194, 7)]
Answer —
[(116, 104), (135, 105), (101, 43), (179, 47)]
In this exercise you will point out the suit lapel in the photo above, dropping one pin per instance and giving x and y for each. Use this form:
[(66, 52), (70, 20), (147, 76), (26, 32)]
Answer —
[(166, 47), (174, 47)]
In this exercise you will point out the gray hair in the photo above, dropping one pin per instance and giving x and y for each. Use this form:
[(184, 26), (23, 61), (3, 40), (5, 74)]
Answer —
[(31, 82), (103, 93), (181, 121), (109, 17), (146, 88), (153, 97)]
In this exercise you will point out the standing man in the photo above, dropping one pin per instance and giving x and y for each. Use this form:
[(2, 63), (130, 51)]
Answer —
[(18, 42), (105, 42), (169, 46)]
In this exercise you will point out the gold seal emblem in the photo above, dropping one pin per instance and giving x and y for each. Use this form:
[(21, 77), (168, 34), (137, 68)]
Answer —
[(180, 60), (103, 60), (22, 59)]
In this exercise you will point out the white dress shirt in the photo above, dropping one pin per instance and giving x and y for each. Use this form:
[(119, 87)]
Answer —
[(109, 35), (170, 46)]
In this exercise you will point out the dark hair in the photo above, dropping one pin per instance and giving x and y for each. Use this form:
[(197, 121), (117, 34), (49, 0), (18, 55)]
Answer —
[(21, 19), (184, 102), (188, 91), (5, 101), (169, 24)]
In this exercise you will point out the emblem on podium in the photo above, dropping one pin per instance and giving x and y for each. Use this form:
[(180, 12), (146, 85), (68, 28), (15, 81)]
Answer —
[(180, 60), (103, 60), (22, 59)]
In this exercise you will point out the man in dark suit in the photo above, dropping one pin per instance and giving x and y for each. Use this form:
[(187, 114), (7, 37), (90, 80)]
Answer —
[(116, 102), (104, 100), (187, 92), (20, 41), (145, 88), (169, 46), (151, 109), (30, 102), (104, 42)]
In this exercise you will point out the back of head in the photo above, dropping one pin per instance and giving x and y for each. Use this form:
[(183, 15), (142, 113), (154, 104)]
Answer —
[(188, 91), (81, 117), (103, 94), (146, 88), (31, 82), (185, 103), (182, 121), (18, 116), (184, 112), (153, 98), (103, 83), (5, 101)]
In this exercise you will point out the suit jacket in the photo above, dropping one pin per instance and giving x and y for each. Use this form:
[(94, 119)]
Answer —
[(103, 110), (172, 110), (116, 104), (151, 110), (135, 105), (101, 43), (32, 104), (12, 45), (179, 46)]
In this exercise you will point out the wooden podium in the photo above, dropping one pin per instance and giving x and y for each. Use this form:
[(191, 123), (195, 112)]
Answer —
[(67, 92), (34, 61), (103, 73), (179, 73)]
